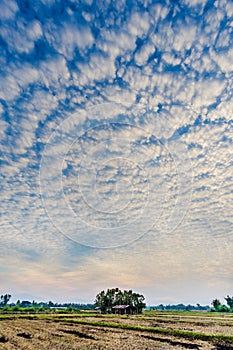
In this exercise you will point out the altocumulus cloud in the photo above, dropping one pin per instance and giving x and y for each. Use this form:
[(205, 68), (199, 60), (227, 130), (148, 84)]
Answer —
[(116, 148)]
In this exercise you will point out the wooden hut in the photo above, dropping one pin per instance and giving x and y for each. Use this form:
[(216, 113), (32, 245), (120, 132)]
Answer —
[(123, 309)]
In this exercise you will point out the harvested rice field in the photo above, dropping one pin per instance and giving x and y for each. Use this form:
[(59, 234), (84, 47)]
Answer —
[(151, 330)]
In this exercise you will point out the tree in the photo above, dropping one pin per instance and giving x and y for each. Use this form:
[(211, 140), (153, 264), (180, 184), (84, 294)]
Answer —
[(4, 299), (216, 304), (106, 300), (229, 301), (101, 301), (138, 302)]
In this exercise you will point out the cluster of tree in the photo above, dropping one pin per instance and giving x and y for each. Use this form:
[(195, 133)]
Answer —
[(105, 300), (217, 306), (181, 307)]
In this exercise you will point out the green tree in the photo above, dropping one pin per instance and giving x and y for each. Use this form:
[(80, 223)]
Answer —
[(4, 299), (138, 301), (100, 301), (229, 301), (106, 300), (216, 304)]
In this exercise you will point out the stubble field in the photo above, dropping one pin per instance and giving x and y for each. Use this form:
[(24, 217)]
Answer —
[(151, 330)]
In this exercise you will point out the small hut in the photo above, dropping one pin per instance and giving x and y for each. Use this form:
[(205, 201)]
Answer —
[(123, 309)]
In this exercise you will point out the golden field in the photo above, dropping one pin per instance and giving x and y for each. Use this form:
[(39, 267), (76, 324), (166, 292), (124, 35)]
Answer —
[(151, 330)]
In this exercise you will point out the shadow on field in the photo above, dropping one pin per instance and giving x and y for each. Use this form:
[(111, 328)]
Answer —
[(3, 339), (173, 342), (223, 347), (25, 335)]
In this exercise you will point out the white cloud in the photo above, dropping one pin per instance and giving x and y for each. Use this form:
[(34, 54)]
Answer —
[(3, 127), (98, 69), (159, 12), (223, 110), (117, 42), (120, 95), (195, 3), (55, 72), (139, 24), (190, 75), (223, 60), (229, 8), (25, 75), (8, 9), (34, 30), (137, 79), (17, 78), (184, 38), (22, 38), (9, 88), (206, 92), (69, 37), (171, 59), (48, 2), (224, 38), (144, 53)]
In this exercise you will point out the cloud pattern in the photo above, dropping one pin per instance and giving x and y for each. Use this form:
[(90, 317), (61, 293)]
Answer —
[(116, 130)]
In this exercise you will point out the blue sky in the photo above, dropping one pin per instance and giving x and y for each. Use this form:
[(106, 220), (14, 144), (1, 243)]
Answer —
[(116, 149)]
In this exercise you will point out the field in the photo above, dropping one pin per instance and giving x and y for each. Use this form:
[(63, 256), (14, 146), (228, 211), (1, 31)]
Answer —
[(151, 330)]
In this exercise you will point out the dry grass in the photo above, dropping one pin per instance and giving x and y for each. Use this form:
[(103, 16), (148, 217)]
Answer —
[(64, 333)]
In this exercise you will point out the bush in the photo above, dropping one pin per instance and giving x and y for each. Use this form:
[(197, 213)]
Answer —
[(30, 309), (7, 308), (16, 308), (223, 308)]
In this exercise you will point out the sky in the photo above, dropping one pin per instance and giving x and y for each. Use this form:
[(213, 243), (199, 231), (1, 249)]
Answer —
[(116, 149)]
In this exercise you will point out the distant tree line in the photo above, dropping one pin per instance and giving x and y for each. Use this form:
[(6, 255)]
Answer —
[(50, 304), (39, 306), (180, 307), (105, 300)]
